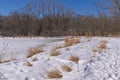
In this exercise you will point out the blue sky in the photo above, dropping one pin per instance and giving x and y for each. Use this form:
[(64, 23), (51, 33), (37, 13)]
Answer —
[(6, 6), (80, 6)]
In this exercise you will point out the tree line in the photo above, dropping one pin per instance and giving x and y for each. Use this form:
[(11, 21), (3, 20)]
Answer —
[(47, 18)]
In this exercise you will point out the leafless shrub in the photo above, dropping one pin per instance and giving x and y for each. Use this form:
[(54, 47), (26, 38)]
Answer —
[(87, 34)]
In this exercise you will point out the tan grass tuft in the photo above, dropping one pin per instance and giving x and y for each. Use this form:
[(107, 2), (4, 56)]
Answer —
[(104, 41), (33, 51), (94, 50), (74, 59), (54, 74), (5, 61), (67, 49), (89, 39), (114, 35), (69, 41), (66, 68), (54, 52), (102, 45), (87, 34), (29, 64)]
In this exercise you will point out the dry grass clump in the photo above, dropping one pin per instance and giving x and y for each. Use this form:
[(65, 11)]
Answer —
[(74, 58), (102, 45), (87, 35), (29, 64), (67, 49), (89, 39), (54, 74), (114, 35), (94, 50), (66, 68), (33, 51), (54, 52), (104, 41), (69, 41), (5, 61)]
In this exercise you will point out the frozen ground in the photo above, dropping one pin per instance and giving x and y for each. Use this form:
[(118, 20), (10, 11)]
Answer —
[(95, 62)]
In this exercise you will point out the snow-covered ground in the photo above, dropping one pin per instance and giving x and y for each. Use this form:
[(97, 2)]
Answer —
[(98, 59)]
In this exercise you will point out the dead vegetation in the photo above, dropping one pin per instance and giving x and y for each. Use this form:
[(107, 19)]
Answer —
[(104, 41), (74, 58), (54, 74), (29, 64), (54, 52), (89, 39), (67, 49), (34, 50), (102, 45), (69, 41), (94, 50), (5, 61), (66, 68), (87, 34)]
